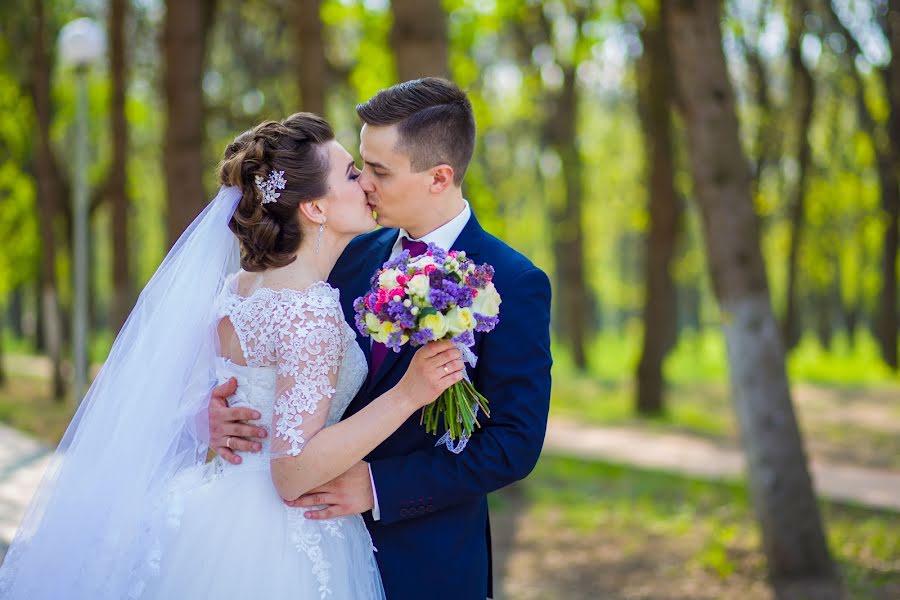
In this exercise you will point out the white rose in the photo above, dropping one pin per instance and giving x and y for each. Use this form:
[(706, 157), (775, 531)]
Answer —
[(418, 286), (420, 262), (460, 320), (388, 279), (436, 322), (488, 302), (377, 328), (373, 324)]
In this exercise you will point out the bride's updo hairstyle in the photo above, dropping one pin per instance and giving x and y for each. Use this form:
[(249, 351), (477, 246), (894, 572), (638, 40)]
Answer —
[(270, 233)]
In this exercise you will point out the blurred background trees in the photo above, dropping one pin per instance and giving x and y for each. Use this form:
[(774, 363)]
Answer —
[(590, 159)]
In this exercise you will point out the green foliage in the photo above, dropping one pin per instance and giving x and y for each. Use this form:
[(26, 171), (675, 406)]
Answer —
[(18, 211), (510, 64)]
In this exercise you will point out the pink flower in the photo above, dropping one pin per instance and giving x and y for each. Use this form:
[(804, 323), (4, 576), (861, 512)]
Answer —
[(429, 269)]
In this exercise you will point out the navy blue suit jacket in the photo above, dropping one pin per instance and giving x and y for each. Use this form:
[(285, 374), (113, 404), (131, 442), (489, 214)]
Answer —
[(433, 537)]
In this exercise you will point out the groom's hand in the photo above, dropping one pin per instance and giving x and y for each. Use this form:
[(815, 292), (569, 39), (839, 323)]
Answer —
[(228, 430), (347, 494)]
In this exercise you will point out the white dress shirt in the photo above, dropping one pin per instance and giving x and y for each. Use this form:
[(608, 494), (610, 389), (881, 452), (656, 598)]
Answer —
[(443, 237)]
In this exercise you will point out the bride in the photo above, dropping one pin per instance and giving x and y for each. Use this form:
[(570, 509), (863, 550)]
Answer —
[(128, 507)]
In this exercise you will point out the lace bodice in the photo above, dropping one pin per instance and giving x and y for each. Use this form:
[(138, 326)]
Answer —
[(303, 365)]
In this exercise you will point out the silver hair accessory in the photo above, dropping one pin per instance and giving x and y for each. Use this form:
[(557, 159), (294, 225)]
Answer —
[(275, 181), (319, 238)]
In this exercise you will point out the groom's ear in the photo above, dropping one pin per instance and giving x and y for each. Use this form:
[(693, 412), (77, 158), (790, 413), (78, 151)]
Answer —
[(441, 178)]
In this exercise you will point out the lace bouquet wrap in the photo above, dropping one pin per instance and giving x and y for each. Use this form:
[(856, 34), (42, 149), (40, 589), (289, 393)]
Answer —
[(436, 296)]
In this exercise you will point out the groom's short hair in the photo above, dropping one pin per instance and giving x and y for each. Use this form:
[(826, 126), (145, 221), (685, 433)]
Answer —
[(434, 119)]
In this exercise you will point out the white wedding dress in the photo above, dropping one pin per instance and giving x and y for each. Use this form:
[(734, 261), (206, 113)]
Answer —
[(302, 369)]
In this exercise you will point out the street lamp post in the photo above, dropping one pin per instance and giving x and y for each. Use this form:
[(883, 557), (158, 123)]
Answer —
[(81, 44)]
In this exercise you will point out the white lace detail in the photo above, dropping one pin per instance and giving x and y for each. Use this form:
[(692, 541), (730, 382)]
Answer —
[(304, 335), (307, 538)]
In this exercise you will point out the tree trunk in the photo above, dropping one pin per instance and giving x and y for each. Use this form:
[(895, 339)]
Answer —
[(660, 306), (886, 142), (187, 24), (766, 145), (16, 312), (798, 559), (419, 39), (49, 199), (568, 243), (805, 93), (118, 177), (572, 307), (312, 68), (3, 376), (887, 322)]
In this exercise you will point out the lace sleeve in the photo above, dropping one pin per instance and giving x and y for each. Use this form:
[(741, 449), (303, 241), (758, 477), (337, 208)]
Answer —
[(311, 350)]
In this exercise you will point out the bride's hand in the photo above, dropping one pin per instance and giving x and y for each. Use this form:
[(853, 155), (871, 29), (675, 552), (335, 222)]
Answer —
[(434, 368)]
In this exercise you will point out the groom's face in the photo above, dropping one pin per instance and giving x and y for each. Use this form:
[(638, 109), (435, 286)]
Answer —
[(396, 194)]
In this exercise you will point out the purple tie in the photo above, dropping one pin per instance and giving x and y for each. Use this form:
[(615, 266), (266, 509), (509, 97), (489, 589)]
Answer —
[(379, 350)]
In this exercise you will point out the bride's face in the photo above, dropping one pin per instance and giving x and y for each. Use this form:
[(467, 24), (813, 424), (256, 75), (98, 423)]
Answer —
[(348, 211)]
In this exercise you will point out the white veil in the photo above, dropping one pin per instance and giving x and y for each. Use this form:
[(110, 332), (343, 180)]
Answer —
[(142, 421)]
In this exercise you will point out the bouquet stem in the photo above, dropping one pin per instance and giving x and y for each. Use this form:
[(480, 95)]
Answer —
[(456, 407)]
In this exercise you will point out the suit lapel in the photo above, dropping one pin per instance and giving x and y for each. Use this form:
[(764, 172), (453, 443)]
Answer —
[(354, 281), (469, 240), (379, 256)]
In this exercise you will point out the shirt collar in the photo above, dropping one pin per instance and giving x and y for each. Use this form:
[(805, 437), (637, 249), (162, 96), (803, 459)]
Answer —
[(442, 237)]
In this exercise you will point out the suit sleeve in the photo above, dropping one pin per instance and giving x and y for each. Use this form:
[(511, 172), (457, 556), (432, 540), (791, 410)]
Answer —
[(514, 375)]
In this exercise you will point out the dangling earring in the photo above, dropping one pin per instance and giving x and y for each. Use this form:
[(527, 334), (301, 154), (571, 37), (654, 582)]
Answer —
[(319, 238)]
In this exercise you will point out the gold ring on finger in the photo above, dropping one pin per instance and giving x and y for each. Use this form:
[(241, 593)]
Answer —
[(446, 370), (228, 442)]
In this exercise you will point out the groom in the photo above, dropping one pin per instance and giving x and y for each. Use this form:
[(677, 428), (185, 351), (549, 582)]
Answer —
[(426, 507)]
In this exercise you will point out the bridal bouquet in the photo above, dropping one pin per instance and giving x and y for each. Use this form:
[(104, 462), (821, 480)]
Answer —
[(436, 296)]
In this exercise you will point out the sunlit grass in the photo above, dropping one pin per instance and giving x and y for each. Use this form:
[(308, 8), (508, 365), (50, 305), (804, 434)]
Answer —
[(701, 356), (713, 522), (25, 404)]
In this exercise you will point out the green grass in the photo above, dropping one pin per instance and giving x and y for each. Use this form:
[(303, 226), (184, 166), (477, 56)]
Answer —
[(702, 357), (25, 405), (702, 409), (712, 522)]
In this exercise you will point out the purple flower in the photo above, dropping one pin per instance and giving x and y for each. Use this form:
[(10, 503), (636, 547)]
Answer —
[(360, 323), (397, 263), (401, 315), (359, 307), (395, 341), (462, 295), (466, 338), (485, 324), (438, 254), (440, 299), (420, 338), (480, 278)]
